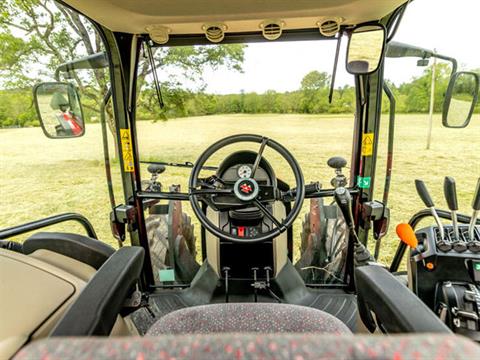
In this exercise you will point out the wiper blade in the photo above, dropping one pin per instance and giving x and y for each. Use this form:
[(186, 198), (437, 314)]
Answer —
[(186, 164)]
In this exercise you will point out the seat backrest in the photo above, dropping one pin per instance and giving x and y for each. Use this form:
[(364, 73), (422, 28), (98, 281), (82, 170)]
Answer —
[(253, 346)]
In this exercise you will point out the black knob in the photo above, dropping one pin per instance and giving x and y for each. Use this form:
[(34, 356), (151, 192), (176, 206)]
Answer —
[(450, 191), (423, 193), (476, 197), (337, 162), (156, 169)]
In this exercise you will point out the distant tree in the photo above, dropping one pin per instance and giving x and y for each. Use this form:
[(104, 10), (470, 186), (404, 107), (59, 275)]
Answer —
[(42, 34), (315, 80)]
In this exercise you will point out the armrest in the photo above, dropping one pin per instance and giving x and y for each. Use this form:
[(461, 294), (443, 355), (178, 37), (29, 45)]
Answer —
[(396, 308), (82, 248), (101, 300)]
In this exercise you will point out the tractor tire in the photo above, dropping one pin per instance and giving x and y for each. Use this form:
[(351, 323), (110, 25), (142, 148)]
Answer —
[(188, 234), (157, 233), (305, 233)]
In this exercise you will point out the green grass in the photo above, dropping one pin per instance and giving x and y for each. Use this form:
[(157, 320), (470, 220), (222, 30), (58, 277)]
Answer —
[(40, 177)]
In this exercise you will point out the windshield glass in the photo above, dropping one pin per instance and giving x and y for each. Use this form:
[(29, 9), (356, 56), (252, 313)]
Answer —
[(277, 90)]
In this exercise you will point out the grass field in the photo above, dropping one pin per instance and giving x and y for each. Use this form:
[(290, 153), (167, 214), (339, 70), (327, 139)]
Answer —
[(40, 177)]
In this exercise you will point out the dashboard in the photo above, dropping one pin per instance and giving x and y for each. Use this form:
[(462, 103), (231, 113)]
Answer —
[(239, 165)]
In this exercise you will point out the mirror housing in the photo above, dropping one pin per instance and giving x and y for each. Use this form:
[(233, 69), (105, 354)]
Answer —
[(366, 48), (460, 100), (59, 110)]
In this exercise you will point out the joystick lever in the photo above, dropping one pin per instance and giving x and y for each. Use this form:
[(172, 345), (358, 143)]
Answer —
[(450, 191), (427, 200), (476, 212)]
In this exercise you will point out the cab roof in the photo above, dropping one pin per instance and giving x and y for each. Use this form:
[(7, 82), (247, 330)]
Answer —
[(190, 16)]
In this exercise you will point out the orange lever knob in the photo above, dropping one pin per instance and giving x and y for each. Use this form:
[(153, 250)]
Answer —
[(407, 235)]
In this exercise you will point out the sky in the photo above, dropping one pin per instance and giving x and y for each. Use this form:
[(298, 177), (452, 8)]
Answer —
[(450, 27)]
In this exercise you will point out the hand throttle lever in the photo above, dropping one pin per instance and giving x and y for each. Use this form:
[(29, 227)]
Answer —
[(450, 192), (427, 200), (476, 212)]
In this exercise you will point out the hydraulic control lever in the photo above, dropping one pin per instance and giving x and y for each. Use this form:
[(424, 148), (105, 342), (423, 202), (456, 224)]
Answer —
[(427, 200), (338, 163), (343, 198), (476, 212), (450, 192)]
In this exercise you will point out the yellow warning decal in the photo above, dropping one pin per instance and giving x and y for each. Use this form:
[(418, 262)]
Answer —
[(127, 152), (367, 144)]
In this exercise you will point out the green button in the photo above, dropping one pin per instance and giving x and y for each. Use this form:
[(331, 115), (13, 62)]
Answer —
[(476, 266)]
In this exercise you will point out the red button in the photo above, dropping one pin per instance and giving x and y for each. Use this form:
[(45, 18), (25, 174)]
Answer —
[(241, 231)]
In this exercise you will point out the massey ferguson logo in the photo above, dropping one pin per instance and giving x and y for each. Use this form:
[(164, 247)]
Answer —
[(246, 188)]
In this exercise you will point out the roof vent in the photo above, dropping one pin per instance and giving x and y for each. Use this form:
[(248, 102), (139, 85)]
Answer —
[(272, 29), (158, 33), (329, 27), (214, 32)]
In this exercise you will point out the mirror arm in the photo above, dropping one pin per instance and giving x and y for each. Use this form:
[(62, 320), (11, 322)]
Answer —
[(449, 59), (395, 19)]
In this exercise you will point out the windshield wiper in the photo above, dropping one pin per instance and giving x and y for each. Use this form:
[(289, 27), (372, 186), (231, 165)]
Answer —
[(186, 164)]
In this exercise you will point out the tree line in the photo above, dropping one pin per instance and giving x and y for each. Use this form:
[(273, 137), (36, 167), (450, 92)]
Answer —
[(17, 108)]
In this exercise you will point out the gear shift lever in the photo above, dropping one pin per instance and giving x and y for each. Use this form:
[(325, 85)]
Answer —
[(450, 191), (427, 200), (476, 212)]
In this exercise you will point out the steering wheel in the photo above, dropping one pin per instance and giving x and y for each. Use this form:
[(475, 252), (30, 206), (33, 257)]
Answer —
[(246, 191)]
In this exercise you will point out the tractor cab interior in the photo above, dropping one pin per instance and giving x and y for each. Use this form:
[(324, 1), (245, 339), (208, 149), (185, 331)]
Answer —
[(239, 288)]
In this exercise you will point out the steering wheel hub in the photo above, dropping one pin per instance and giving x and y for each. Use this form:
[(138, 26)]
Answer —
[(246, 189)]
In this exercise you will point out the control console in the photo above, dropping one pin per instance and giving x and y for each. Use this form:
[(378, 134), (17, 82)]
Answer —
[(444, 264), (437, 260)]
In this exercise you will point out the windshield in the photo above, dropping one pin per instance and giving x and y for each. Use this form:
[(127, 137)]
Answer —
[(277, 90)]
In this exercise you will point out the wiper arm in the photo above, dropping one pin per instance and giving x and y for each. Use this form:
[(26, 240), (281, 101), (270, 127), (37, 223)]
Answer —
[(186, 164)]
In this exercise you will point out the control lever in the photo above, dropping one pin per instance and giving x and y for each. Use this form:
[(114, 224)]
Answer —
[(255, 287), (338, 163), (343, 198), (310, 189), (226, 270), (476, 212), (407, 236), (427, 200), (450, 192)]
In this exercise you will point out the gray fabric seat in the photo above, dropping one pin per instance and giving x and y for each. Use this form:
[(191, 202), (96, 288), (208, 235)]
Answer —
[(248, 317), (255, 346)]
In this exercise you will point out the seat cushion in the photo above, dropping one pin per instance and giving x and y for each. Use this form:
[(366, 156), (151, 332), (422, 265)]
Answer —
[(247, 317), (256, 346)]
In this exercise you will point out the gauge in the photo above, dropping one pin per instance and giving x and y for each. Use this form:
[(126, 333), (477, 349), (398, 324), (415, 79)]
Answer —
[(244, 171)]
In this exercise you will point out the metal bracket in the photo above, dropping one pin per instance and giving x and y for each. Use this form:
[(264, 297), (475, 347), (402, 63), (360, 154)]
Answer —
[(135, 300), (121, 215), (125, 214)]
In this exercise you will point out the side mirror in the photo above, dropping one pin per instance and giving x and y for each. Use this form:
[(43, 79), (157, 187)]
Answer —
[(366, 47), (59, 110), (460, 100)]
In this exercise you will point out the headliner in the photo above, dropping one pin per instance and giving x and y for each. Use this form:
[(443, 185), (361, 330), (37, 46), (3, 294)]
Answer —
[(188, 16)]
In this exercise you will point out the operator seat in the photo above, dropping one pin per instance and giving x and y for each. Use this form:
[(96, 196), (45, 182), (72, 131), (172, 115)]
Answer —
[(248, 317)]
